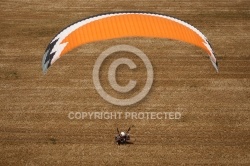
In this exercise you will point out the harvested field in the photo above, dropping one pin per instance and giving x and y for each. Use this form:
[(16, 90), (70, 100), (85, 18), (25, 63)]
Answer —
[(214, 128)]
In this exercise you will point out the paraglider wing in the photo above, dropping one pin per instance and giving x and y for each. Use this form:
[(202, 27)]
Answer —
[(120, 25)]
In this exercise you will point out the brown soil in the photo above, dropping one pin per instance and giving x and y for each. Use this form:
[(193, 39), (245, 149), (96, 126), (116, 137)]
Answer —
[(215, 125)]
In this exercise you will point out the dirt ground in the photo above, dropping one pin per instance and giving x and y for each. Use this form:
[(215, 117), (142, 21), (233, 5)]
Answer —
[(214, 128)]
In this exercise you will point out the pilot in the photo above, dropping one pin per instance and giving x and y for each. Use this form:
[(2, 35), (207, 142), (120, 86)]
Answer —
[(123, 134)]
